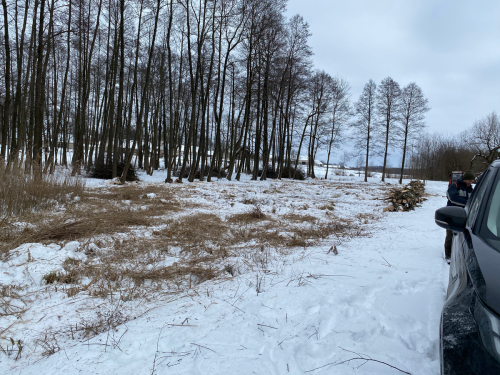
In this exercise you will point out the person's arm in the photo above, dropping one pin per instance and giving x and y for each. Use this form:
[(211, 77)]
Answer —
[(455, 197)]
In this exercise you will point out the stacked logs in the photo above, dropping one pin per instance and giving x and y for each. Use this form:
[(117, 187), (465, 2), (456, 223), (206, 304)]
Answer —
[(407, 198)]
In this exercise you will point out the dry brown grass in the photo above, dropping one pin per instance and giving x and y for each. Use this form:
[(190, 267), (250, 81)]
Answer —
[(366, 218), (205, 243), (11, 301), (251, 216), (133, 269), (165, 202), (71, 277), (207, 248), (15, 350), (195, 230), (327, 206), (22, 194), (99, 213), (66, 228), (272, 191), (173, 274), (296, 218)]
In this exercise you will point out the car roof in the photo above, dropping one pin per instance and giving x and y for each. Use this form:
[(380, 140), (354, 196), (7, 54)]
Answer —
[(496, 164)]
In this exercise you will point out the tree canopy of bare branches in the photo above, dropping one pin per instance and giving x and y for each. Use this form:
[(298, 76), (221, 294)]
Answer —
[(483, 139)]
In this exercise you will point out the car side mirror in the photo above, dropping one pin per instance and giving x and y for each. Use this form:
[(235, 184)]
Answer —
[(451, 218)]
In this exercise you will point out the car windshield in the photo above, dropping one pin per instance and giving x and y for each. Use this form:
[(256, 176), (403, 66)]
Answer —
[(491, 223)]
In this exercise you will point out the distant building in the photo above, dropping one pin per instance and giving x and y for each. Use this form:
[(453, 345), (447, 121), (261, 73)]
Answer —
[(304, 160)]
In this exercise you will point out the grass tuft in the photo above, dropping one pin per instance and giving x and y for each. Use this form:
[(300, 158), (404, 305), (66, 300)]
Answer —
[(71, 277)]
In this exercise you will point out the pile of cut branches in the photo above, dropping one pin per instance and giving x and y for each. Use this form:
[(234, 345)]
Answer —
[(406, 198)]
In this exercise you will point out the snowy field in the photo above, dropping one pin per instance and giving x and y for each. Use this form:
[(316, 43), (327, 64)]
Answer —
[(271, 297)]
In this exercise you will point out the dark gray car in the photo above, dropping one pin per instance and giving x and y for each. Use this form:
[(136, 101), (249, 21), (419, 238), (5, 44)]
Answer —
[(470, 321)]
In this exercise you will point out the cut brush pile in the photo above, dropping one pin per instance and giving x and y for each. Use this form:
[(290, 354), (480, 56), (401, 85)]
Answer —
[(407, 198)]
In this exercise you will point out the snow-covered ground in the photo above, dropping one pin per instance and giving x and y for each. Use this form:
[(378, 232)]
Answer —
[(309, 311)]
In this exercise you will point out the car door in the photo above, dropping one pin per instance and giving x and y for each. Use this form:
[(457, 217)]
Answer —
[(482, 247), (460, 248), (474, 210)]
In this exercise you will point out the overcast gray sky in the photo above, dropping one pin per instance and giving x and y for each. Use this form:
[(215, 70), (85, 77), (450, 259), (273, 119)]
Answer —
[(450, 48)]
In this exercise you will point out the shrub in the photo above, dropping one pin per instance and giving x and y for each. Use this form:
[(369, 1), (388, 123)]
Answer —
[(298, 174), (105, 171)]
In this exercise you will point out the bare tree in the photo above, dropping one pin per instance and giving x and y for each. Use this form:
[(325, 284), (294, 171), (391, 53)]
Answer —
[(414, 106), (344, 159), (359, 164), (484, 139), (6, 109), (341, 112), (388, 104), (363, 128), (321, 100)]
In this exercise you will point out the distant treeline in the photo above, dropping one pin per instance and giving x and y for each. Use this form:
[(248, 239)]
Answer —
[(435, 156)]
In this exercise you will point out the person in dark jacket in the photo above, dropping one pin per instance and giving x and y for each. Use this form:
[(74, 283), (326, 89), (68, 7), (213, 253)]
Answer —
[(458, 194)]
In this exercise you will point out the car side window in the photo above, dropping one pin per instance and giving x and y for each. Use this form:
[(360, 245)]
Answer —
[(493, 221), (476, 198), (490, 227)]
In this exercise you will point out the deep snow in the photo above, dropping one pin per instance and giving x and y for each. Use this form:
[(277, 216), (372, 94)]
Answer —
[(379, 298)]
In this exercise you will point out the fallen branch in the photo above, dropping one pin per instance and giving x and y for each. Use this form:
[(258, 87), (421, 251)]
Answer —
[(201, 346), (157, 349), (321, 275), (362, 358), (263, 325), (181, 325), (390, 265)]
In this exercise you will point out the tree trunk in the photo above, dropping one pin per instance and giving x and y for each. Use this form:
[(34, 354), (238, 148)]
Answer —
[(144, 93), (6, 111)]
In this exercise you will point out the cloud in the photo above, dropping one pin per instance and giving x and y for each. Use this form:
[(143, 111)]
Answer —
[(451, 48)]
